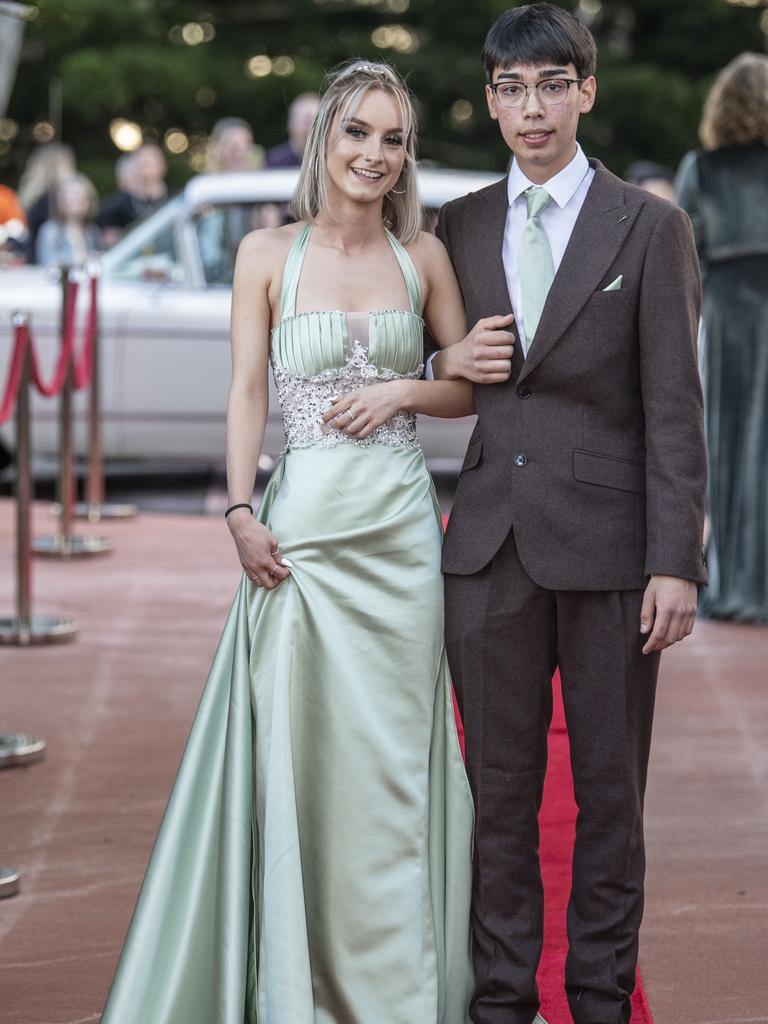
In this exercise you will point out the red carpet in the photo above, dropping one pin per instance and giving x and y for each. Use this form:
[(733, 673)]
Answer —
[(557, 822)]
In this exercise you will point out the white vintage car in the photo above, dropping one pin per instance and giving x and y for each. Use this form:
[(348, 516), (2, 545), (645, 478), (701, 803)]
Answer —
[(164, 321)]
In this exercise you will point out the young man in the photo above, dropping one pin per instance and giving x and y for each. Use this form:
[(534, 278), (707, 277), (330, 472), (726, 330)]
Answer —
[(575, 535)]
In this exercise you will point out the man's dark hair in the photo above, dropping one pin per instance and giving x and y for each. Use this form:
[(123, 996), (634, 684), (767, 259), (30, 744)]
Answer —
[(538, 34)]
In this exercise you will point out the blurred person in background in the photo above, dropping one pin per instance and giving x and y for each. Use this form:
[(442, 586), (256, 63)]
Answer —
[(71, 235), (231, 147), (110, 233), (141, 188), (301, 114), (13, 227), (724, 189), (46, 167), (653, 177)]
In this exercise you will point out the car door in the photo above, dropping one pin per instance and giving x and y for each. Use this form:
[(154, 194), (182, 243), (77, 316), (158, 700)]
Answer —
[(174, 358)]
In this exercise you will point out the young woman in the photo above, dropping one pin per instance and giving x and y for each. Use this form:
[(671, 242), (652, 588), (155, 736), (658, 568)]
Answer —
[(71, 235), (314, 864)]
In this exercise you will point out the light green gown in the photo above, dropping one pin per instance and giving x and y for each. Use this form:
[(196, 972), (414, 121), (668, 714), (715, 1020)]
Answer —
[(314, 862)]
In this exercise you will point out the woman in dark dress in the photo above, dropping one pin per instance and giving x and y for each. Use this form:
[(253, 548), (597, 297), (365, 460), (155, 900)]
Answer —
[(724, 189)]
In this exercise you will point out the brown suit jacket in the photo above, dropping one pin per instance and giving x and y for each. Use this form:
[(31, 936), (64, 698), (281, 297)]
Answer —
[(593, 451)]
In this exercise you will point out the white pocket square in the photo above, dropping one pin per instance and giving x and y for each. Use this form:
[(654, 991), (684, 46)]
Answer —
[(614, 285)]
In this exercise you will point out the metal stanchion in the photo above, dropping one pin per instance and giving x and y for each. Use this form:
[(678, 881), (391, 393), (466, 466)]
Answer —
[(19, 748), (65, 544), (94, 508), (9, 882), (24, 628)]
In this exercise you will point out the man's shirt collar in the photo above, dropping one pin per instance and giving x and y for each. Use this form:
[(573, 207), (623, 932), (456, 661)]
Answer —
[(562, 187)]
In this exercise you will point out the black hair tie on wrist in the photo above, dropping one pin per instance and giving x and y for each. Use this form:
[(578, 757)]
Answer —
[(240, 504)]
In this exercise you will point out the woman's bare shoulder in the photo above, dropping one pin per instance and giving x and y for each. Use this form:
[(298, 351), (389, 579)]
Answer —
[(428, 252), (263, 241), (262, 253)]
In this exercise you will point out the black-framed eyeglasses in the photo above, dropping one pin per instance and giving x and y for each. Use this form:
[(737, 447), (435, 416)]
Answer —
[(550, 91)]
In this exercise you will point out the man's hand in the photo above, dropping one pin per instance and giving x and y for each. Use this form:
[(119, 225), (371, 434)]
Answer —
[(484, 356), (668, 612)]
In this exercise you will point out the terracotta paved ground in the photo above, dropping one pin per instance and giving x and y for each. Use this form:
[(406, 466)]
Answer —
[(115, 707)]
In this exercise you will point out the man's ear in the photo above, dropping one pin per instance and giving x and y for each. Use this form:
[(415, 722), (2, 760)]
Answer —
[(491, 100), (587, 93)]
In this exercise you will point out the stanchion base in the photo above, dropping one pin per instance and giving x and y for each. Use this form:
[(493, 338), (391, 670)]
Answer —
[(96, 512), (71, 547), (9, 882), (19, 748), (39, 629)]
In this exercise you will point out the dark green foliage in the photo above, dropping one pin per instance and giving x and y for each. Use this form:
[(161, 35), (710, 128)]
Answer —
[(115, 59)]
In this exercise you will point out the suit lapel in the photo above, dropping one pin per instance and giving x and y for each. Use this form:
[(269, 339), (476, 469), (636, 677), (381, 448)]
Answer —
[(484, 245), (598, 234)]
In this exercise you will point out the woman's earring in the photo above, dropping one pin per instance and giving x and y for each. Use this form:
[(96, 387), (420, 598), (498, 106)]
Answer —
[(397, 191)]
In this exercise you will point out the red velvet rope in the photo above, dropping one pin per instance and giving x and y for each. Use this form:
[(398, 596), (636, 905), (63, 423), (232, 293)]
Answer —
[(20, 342), (65, 353), (82, 364)]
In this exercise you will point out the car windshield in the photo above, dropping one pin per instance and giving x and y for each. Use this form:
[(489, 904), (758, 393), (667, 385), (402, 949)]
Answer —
[(150, 251)]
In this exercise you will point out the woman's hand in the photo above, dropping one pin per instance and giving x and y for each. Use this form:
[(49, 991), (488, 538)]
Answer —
[(360, 413), (258, 550)]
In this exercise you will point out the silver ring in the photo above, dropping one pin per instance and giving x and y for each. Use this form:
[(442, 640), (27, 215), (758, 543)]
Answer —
[(348, 412)]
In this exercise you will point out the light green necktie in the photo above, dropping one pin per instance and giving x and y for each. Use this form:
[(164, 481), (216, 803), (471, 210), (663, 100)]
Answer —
[(537, 271)]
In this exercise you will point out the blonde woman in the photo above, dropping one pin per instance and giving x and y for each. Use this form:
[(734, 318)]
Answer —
[(48, 164), (724, 189), (314, 863)]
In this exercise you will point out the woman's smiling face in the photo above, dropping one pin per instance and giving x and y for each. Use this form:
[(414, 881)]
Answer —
[(365, 152)]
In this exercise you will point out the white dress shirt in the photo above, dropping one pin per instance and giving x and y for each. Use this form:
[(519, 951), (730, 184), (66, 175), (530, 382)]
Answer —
[(568, 189)]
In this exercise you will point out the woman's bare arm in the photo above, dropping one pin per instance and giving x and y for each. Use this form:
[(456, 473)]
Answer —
[(248, 404)]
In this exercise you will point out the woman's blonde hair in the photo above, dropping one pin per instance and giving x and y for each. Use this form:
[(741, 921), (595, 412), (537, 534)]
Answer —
[(46, 166), (344, 89), (736, 109)]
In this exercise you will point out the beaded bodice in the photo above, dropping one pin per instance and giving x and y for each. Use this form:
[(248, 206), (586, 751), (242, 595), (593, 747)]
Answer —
[(320, 356)]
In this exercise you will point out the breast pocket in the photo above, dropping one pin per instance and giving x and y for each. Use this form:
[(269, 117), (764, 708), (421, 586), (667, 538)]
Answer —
[(613, 299)]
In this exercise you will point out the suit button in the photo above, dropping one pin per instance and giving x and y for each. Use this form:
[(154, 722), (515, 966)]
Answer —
[(523, 391), (520, 460)]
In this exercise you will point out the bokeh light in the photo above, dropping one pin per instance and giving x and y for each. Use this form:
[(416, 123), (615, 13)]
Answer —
[(43, 131), (192, 33), (176, 141), (259, 66), (461, 113), (395, 37), (126, 135), (283, 66), (205, 96), (9, 129)]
